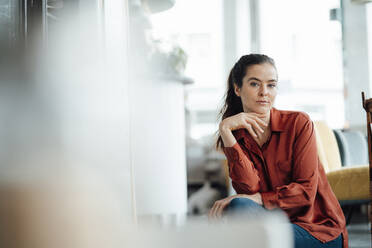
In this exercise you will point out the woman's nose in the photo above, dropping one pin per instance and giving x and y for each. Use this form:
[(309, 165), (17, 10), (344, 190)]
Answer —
[(263, 90)]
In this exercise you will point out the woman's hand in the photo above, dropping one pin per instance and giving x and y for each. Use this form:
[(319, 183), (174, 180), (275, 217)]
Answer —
[(219, 206), (253, 122)]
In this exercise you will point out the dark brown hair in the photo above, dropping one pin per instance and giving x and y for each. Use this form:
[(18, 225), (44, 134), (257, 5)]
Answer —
[(232, 103)]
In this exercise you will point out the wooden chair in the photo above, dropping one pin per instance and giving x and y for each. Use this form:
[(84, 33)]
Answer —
[(367, 105)]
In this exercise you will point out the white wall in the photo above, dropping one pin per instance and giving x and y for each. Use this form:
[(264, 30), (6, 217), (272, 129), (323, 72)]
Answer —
[(369, 24)]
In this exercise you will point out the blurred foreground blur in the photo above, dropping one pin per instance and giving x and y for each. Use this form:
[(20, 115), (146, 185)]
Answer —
[(81, 136), (65, 178), (101, 139)]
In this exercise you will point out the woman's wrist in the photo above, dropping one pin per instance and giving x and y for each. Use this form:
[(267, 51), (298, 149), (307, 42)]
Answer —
[(223, 128), (228, 138)]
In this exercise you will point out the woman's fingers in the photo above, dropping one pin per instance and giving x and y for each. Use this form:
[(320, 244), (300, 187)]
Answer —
[(257, 118), (255, 134), (260, 121), (215, 216), (250, 130), (222, 208), (255, 125), (212, 211), (256, 128), (218, 208)]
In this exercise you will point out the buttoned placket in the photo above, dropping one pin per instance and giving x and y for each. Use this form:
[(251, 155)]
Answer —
[(260, 154), (264, 154)]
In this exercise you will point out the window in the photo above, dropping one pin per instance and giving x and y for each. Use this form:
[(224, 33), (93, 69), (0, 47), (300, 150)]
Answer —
[(307, 48)]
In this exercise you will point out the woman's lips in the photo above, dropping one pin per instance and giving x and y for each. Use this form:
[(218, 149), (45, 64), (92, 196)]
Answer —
[(262, 102)]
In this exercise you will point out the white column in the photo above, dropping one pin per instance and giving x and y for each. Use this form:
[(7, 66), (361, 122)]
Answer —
[(356, 74), (241, 30), (157, 129), (158, 147)]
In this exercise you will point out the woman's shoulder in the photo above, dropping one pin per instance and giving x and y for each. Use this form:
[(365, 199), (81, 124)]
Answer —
[(290, 119), (293, 114)]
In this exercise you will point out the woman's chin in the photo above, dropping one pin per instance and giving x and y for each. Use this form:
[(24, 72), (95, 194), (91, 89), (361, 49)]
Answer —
[(259, 110), (262, 110)]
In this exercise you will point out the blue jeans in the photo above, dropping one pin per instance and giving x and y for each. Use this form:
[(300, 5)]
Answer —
[(302, 239)]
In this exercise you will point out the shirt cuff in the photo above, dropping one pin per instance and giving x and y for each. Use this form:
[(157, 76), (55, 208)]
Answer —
[(270, 200), (232, 153)]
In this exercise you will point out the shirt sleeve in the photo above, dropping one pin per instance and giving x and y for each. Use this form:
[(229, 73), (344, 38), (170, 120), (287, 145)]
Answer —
[(301, 192), (244, 176)]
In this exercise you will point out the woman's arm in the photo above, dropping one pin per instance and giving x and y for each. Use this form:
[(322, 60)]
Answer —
[(241, 169), (302, 191), (242, 172)]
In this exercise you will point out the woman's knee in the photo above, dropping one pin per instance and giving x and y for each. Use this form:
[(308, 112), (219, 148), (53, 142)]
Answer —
[(238, 203)]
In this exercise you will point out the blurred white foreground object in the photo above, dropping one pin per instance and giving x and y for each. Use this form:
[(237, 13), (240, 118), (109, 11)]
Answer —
[(271, 230), (58, 208)]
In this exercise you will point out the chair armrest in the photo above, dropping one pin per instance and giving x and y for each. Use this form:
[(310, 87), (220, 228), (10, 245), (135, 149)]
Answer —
[(350, 183)]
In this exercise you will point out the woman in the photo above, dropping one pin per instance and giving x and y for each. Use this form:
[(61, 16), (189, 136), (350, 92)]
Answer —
[(272, 157)]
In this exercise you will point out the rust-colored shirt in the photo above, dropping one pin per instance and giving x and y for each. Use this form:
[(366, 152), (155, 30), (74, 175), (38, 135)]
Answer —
[(288, 174)]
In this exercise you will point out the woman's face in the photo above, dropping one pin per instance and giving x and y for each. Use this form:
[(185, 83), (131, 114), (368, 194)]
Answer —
[(259, 88)]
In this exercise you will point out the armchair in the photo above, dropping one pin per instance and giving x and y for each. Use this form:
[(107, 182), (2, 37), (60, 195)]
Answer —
[(351, 183)]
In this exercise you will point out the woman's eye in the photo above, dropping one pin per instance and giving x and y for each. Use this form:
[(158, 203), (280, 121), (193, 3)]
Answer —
[(272, 85), (253, 84)]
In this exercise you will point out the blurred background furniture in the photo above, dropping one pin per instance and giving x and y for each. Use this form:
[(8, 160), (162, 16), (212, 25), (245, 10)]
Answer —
[(349, 183), (206, 179), (353, 147)]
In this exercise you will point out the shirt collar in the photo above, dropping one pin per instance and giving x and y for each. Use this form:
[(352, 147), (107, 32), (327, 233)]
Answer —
[(276, 125)]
